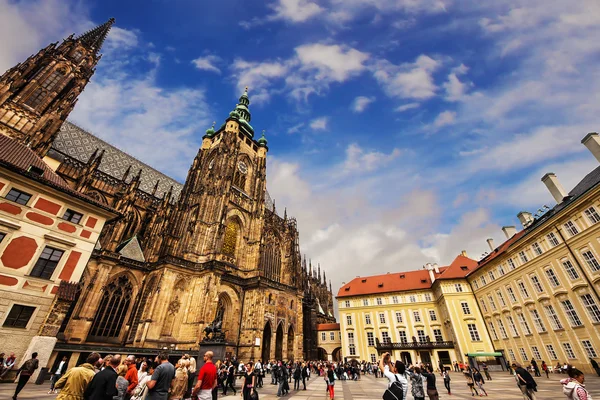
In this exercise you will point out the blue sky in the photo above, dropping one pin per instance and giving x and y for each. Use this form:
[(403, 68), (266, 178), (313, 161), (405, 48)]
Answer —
[(400, 131)]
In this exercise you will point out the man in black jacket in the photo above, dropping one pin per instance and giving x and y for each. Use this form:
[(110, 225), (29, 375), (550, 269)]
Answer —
[(103, 385)]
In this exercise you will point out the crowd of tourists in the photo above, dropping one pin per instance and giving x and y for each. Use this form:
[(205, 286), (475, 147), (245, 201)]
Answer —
[(131, 378)]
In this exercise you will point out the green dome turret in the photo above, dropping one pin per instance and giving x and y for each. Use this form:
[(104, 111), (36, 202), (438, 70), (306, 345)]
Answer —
[(262, 142), (242, 106), (210, 132)]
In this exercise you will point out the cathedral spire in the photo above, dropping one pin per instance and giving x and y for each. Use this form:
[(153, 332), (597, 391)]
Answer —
[(94, 38)]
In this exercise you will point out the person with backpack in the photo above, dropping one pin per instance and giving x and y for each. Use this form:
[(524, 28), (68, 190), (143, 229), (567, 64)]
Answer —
[(25, 372), (573, 386), (525, 381), (330, 380), (446, 378), (396, 375)]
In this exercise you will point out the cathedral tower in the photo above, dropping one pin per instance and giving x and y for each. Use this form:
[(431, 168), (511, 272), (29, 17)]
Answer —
[(223, 198), (37, 95)]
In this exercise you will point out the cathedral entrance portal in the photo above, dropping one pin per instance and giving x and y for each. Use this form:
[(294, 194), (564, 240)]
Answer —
[(290, 344), (279, 343), (266, 343)]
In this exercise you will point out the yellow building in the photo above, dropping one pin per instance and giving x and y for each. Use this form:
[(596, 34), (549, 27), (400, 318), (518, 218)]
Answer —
[(329, 342), (427, 315), (47, 234), (538, 291)]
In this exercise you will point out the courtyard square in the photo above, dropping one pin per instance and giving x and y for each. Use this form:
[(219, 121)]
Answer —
[(368, 388)]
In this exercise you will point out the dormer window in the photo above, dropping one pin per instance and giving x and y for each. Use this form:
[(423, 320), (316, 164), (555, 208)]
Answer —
[(35, 170), (464, 268)]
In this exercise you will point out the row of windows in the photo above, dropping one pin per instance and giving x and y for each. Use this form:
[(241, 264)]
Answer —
[(569, 351), (23, 198), (399, 317), (403, 338), (331, 336), (394, 300), (554, 320), (537, 283), (570, 227)]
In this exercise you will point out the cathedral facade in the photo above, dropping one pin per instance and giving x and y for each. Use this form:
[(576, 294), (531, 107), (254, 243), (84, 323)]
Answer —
[(180, 256)]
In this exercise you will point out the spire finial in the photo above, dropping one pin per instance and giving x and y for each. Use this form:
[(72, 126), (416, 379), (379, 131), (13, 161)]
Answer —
[(94, 38)]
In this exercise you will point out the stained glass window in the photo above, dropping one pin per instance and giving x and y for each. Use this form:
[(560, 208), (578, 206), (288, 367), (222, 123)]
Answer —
[(230, 239)]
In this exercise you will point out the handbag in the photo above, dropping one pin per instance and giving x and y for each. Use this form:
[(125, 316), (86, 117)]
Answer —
[(254, 395), (395, 391)]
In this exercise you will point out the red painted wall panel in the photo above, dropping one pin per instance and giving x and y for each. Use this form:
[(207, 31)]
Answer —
[(63, 226), (47, 205), (19, 252), (70, 265), (10, 208), (42, 219)]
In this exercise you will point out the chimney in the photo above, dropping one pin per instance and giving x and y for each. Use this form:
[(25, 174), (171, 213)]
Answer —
[(592, 142), (526, 218), (464, 253), (429, 267), (554, 186), (509, 231), (436, 268), (490, 243)]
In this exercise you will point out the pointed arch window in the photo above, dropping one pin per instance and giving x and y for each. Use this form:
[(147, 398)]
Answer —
[(230, 239), (46, 86), (271, 261), (114, 305)]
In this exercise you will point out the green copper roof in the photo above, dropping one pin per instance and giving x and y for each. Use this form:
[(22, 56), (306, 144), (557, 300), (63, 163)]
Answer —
[(262, 142), (211, 131)]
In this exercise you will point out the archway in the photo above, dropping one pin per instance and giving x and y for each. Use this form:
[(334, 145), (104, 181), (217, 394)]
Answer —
[(321, 354), (266, 342), (290, 343), (337, 354), (279, 343), (224, 313)]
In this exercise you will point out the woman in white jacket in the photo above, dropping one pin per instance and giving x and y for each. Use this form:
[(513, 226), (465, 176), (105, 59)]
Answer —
[(393, 371), (573, 386)]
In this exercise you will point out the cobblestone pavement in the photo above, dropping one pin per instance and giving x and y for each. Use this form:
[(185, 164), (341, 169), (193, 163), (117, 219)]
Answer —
[(368, 388)]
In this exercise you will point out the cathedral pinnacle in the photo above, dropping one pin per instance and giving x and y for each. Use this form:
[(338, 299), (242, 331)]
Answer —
[(94, 38)]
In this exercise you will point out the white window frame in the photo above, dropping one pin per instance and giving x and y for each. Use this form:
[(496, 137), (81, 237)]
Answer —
[(569, 351), (348, 320), (399, 319), (552, 278), (555, 322), (590, 305), (523, 290), (417, 316), (458, 288), (501, 298), (537, 249), (382, 318), (571, 228), (538, 322), (379, 301), (465, 308), (571, 314), (523, 257), (536, 283), (402, 336), (592, 215), (370, 339), (492, 329), (511, 294), (552, 239), (588, 347), (511, 326), (523, 354), (590, 260), (368, 319), (503, 333), (511, 264), (473, 333), (570, 269), (432, 315), (395, 299), (524, 325), (385, 337), (551, 352)]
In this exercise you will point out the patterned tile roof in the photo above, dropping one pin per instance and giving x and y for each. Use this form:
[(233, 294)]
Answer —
[(75, 142)]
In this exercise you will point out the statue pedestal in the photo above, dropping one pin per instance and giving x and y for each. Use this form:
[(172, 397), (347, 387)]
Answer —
[(218, 349)]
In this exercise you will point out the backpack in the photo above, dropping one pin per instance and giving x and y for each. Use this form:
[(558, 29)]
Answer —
[(395, 391), (29, 367)]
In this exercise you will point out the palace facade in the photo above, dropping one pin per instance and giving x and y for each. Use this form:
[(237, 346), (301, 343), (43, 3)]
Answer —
[(180, 256), (538, 291), (535, 296), (427, 315)]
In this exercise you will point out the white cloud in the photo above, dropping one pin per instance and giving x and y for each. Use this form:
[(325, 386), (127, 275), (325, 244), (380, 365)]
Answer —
[(455, 89), (295, 10), (409, 80), (406, 107), (208, 62), (319, 124), (361, 103), (296, 128), (444, 118), (258, 76), (121, 38), (359, 160), (332, 62)]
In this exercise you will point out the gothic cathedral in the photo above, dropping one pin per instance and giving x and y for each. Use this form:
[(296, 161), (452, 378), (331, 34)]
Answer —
[(179, 256)]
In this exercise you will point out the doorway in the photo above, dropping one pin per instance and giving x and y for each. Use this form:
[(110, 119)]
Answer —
[(279, 343), (406, 358), (425, 357), (266, 343)]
